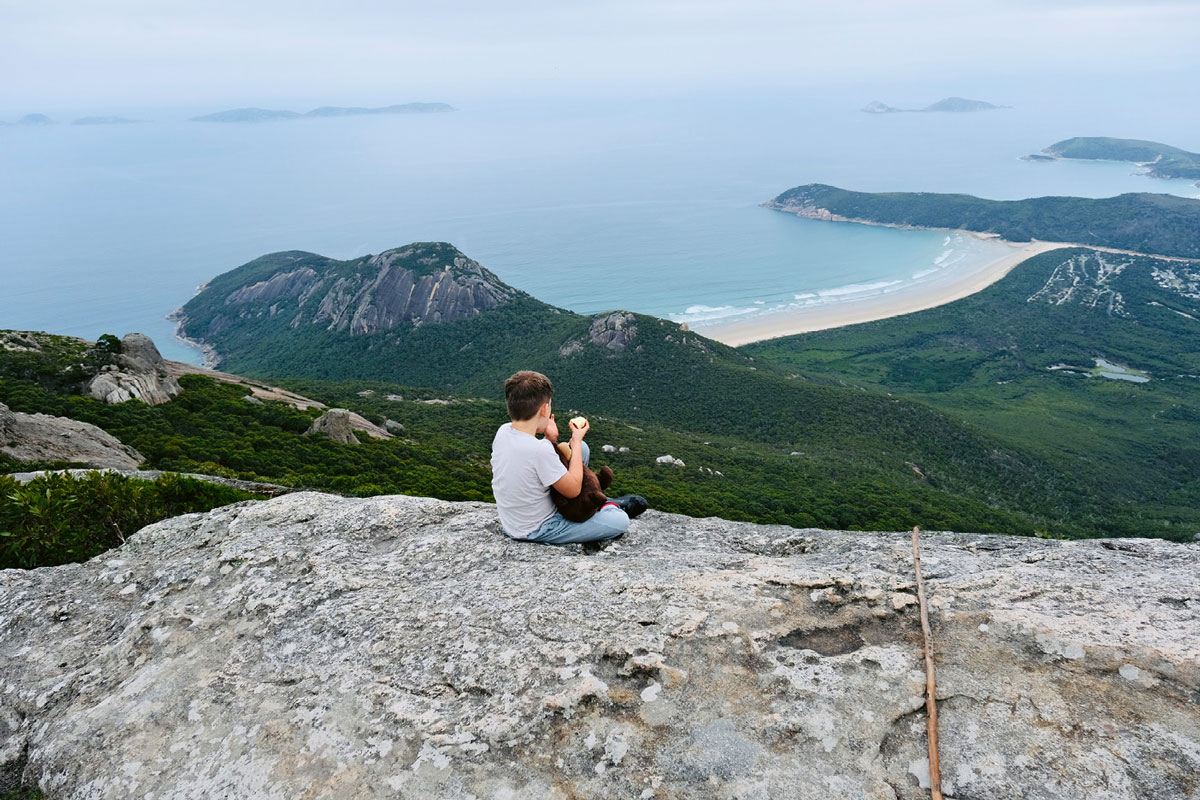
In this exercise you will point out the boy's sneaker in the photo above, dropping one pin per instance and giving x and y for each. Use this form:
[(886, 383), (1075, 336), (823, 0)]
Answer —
[(631, 504)]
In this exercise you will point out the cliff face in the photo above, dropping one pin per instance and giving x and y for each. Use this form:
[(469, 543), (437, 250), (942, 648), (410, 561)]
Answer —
[(314, 646)]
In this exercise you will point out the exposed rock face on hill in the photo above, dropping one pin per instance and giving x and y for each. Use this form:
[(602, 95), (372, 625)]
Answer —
[(340, 424), (390, 294), (421, 284), (399, 647), (42, 437), (140, 374)]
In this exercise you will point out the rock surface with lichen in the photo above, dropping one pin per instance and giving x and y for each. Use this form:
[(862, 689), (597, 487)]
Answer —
[(312, 646), (43, 437)]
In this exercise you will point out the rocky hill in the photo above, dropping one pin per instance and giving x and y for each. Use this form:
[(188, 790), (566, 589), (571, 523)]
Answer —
[(398, 289), (315, 646)]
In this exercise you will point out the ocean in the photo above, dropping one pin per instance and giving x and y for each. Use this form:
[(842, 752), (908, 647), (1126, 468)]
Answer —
[(650, 205)]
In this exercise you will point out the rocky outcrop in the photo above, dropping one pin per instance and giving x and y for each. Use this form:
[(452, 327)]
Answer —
[(614, 331), (139, 374), (42, 437), (335, 423), (20, 342), (340, 424), (400, 647)]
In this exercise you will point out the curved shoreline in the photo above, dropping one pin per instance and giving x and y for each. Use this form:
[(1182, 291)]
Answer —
[(903, 301), (211, 358)]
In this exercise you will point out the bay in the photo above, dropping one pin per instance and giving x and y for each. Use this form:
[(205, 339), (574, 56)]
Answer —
[(649, 204)]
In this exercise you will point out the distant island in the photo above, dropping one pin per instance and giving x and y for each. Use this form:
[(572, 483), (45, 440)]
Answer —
[(1154, 224), (1159, 160), (267, 115), (955, 104), (32, 120), (105, 121)]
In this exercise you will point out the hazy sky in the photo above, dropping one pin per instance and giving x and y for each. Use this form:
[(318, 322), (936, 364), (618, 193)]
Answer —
[(90, 55)]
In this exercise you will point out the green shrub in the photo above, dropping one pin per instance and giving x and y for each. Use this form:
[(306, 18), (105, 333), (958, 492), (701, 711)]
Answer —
[(59, 518)]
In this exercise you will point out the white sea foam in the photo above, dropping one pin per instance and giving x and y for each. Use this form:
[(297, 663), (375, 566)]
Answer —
[(856, 288), (804, 295), (946, 242), (702, 313), (941, 259), (924, 272)]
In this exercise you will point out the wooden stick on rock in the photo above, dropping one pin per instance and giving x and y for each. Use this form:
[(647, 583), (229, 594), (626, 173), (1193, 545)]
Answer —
[(935, 770)]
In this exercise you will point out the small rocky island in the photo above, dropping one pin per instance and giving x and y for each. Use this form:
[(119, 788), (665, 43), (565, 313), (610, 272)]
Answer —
[(267, 115), (953, 104), (105, 121)]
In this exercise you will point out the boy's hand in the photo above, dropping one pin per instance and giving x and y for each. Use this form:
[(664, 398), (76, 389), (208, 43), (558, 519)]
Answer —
[(551, 432), (578, 433)]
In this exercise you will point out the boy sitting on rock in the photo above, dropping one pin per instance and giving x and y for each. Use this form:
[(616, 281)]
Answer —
[(524, 468)]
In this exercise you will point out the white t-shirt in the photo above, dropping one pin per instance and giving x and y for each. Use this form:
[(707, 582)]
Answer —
[(523, 467)]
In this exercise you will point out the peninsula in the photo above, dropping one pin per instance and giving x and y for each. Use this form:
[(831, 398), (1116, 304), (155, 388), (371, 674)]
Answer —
[(1152, 224), (1159, 160), (268, 115)]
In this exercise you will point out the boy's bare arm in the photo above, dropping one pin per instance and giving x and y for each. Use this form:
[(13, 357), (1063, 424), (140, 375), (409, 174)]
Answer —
[(571, 484)]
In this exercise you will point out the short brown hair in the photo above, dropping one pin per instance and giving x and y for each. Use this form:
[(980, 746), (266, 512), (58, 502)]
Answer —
[(525, 392)]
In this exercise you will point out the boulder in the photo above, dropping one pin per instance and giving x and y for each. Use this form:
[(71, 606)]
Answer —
[(401, 647), (669, 459), (336, 423), (139, 374), (42, 437)]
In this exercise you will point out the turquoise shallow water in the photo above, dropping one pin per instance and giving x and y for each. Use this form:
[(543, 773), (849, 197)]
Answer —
[(649, 206)]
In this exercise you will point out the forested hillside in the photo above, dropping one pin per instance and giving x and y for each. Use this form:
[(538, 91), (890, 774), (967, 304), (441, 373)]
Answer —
[(1090, 360), (1159, 224)]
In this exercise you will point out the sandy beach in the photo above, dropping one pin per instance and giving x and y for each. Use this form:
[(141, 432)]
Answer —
[(915, 297)]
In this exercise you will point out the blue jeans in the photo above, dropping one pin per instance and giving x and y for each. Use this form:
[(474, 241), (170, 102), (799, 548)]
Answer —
[(607, 523)]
